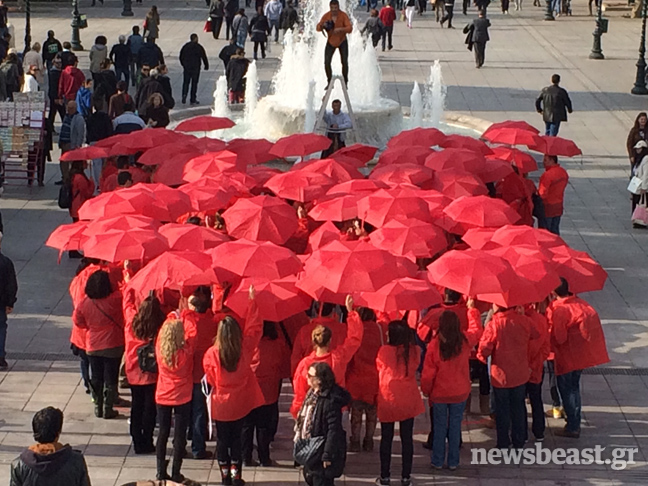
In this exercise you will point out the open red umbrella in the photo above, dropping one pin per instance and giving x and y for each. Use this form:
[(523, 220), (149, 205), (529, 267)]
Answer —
[(67, 236), (356, 154), (262, 259), (135, 200), (171, 170), (261, 218), (555, 146), (510, 136), (495, 170), (465, 142), (404, 155), (205, 123), (455, 159), (582, 272), (522, 160), (210, 194), (410, 237), (481, 238), (385, 205), (252, 151), (323, 235), (521, 125), (423, 137), (117, 246), (299, 186), (276, 300), (261, 173), (401, 295), (454, 184), (191, 237), (311, 286), (211, 164), (336, 208), (414, 174), (177, 202), (481, 212), (526, 235), (337, 171), (119, 223), (85, 153), (472, 272), (159, 154), (435, 200), (357, 186), (299, 145)]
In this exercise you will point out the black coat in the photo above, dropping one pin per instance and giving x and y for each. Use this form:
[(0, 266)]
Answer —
[(259, 28), (120, 55), (105, 84), (191, 56), (150, 54), (51, 47), (53, 81), (98, 126), (231, 8), (147, 87), (227, 52), (8, 282), (480, 31), (65, 467), (236, 69), (554, 103), (167, 94)]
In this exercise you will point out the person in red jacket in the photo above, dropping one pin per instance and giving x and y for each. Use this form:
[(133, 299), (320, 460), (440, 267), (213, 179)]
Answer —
[(538, 352), (236, 391), (69, 83), (387, 17), (271, 364), (338, 358), (100, 314), (362, 381), (551, 189), (514, 192), (399, 398), (82, 188), (446, 381), (506, 340), (141, 326), (579, 342)]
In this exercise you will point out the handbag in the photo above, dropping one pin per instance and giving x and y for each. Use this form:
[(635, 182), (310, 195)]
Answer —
[(402, 15), (146, 358), (208, 25), (640, 214), (634, 185), (309, 452)]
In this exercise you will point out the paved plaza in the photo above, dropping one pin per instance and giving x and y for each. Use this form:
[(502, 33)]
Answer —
[(523, 53)]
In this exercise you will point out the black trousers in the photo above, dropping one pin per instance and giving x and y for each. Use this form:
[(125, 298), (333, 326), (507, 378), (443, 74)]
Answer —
[(387, 36), (228, 442), (510, 416), (344, 56), (104, 372), (449, 13), (217, 22), (143, 414), (480, 53), (479, 371), (228, 28), (190, 77), (505, 5), (261, 419), (54, 109), (256, 49), (181, 415), (407, 447), (534, 392), (466, 4)]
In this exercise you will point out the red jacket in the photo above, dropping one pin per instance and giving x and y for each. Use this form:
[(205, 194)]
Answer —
[(513, 191), (552, 190), (449, 381), (69, 83), (303, 345), (131, 364), (362, 374), (576, 335), (387, 15), (539, 347), (103, 320), (236, 393), (506, 340), (430, 323), (204, 327), (399, 397), (82, 190), (175, 385), (271, 364), (337, 358)]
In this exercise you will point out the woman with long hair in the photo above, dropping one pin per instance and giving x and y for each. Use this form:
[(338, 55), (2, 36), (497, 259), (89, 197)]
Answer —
[(152, 24), (174, 351), (236, 391), (141, 329), (446, 381), (399, 399), (638, 132)]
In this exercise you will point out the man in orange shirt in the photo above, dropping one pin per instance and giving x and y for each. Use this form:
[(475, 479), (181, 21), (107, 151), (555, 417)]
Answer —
[(337, 25), (552, 191)]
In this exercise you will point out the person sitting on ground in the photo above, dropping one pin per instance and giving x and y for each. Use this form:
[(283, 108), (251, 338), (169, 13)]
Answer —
[(48, 461), (338, 123)]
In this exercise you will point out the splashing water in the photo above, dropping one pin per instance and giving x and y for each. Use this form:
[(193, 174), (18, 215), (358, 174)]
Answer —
[(309, 118), (221, 108), (251, 91), (416, 107), (435, 95)]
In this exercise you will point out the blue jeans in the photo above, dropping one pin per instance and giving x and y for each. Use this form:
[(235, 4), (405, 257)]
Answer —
[(553, 225), (198, 420), (447, 423), (551, 129), (3, 332), (510, 415), (534, 392), (569, 387), (274, 24)]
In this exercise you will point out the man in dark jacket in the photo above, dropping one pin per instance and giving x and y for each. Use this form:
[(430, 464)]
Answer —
[(48, 461), (191, 55), (167, 91), (231, 9), (228, 51), (8, 291), (480, 37), (236, 70), (56, 104), (120, 55), (51, 47), (554, 104), (150, 54)]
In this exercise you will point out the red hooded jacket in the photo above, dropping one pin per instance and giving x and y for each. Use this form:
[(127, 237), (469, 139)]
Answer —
[(175, 385), (539, 347), (82, 190), (514, 192), (430, 323), (399, 397), (271, 364), (551, 189), (103, 320), (69, 83), (303, 345), (134, 373), (362, 374), (205, 328)]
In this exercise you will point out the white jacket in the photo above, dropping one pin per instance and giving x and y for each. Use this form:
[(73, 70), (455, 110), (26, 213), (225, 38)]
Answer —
[(642, 173)]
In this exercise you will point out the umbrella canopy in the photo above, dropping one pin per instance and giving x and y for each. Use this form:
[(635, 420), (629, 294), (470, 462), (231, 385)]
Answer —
[(211, 164), (404, 155), (526, 235), (337, 171), (410, 237), (299, 185), (323, 235), (67, 236), (117, 246), (417, 137), (85, 153), (522, 125), (523, 161), (135, 200), (510, 136), (276, 300), (403, 173), (456, 159), (173, 270), (261, 259), (385, 205), (300, 144), (356, 154), (317, 291), (191, 237), (159, 155), (481, 238), (465, 142), (251, 151), (261, 174), (401, 295), (261, 218), (472, 272), (356, 186), (336, 208), (210, 194), (204, 123), (555, 146), (171, 170), (455, 184), (481, 212), (119, 223), (582, 272), (495, 170), (177, 202)]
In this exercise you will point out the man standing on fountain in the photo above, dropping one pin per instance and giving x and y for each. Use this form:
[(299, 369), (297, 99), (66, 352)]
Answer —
[(337, 25)]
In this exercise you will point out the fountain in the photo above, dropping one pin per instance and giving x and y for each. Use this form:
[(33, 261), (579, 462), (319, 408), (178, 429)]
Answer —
[(435, 95), (221, 108), (416, 107), (251, 92)]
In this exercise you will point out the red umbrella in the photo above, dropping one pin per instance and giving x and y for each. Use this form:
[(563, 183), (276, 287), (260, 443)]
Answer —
[(299, 186), (403, 173), (262, 259), (481, 212), (207, 144), (337, 171), (356, 186), (171, 170), (526, 235), (261, 218), (160, 154), (435, 200), (119, 223), (510, 136), (495, 170), (67, 236), (422, 137), (410, 237), (211, 164), (356, 154), (456, 159), (555, 146), (481, 238), (522, 125), (252, 151), (133, 244), (336, 208), (404, 155), (472, 272), (454, 184), (173, 270), (385, 205), (191, 237), (276, 300), (205, 123), (85, 153), (465, 142), (323, 235), (135, 200), (582, 272), (114, 139), (317, 291), (209, 194), (177, 202), (300, 144), (522, 160), (261, 173), (401, 295)]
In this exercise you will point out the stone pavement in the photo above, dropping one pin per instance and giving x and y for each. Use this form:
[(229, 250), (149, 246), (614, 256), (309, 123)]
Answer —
[(522, 55)]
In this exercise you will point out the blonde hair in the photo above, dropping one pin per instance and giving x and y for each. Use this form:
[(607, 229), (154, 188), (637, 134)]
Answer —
[(321, 336), (172, 340)]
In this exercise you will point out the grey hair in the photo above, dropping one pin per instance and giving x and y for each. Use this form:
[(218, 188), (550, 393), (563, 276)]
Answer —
[(122, 39)]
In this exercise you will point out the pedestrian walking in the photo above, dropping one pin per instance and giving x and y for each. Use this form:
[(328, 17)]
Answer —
[(105, 84), (478, 37), (135, 42), (387, 17), (150, 54), (68, 58), (505, 6), (8, 293), (152, 24), (51, 47), (120, 55), (639, 168), (638, 132), (118, 100), (30, 84), (161, 73), (272, 11), (373, 27), (12, 75), (240, 27), (69, 83), (554, 104), (84, 98), (191, 56), (33, 58), (410, 8), (449, 13), (98, 126), (55, 103), (439, 9), (337, 25), (259, 30), (231, 9), (98, 53), (216, 14), (227, 52), (289, 18), (551, 189)]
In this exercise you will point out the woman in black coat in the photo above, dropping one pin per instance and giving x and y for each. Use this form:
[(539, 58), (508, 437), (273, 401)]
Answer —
[(321, 416), (259, 30)]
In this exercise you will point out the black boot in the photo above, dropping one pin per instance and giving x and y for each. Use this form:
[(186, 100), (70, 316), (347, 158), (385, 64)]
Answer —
[(98, 399), (162, 470), (110, 392), (226, 479), (236, 472)]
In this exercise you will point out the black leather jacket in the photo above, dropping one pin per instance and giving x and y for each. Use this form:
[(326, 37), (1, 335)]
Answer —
[(65, 467)]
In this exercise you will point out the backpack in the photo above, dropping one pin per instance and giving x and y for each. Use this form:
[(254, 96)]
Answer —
[(65, 196), (146, 358)]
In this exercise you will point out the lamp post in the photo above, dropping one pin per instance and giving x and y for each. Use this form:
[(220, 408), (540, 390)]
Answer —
[(27, 26), (597, 52), (549, 11), (75, 40), (127, 11), (639, 87)]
